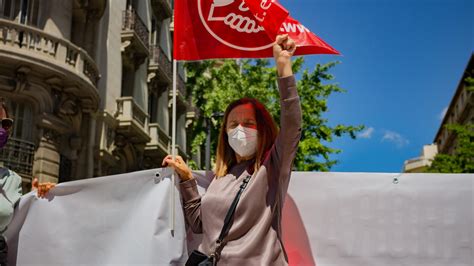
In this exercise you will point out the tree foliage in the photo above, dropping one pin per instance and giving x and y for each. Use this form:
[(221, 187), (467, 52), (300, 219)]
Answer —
[(462, 160), (214, 84)]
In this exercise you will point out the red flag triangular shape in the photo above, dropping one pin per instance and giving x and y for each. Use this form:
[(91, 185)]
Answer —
[(206, 29), (306, 41)]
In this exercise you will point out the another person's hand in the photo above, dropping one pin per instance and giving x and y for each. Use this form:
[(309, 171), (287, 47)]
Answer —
[(179, 166), (283, 50), (42, 188)]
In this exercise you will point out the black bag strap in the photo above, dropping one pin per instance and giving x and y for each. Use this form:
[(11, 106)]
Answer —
[(229, 216)]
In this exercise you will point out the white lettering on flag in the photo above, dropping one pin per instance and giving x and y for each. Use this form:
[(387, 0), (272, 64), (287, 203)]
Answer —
[(291, 27)]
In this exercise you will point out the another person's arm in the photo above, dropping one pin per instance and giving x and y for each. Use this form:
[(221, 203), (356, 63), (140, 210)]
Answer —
[(12, 191), (189, 192)]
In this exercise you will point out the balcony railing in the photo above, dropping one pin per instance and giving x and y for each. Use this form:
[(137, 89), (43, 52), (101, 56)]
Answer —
[(128, 109), (132, 120), (164, 138), (414, 160), (159, 58), (132, 22), (159, 138), (416, 163), (17, 155), (39, 44)]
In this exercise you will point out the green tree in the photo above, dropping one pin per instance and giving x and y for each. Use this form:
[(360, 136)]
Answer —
[(462, 160), (214, 84)]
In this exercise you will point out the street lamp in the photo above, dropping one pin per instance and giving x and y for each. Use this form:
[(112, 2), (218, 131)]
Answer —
[(208, 138)]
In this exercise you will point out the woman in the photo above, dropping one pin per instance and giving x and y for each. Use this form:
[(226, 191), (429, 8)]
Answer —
[(249, 144), (10, 186)]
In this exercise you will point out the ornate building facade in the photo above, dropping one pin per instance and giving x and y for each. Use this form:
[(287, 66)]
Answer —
[(88, 86)]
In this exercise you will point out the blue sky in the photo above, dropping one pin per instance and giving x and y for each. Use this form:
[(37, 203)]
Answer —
[(401, 63)]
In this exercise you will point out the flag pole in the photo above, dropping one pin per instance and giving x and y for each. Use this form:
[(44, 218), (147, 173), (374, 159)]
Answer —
[(173, 149)]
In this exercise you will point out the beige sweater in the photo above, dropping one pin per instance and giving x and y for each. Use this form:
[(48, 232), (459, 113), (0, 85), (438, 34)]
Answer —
[(254, 237)]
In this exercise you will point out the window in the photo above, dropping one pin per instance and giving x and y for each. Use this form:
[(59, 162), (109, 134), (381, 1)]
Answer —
[(22, 116), (132, 4), (21, 11), (65, 169), (9, 9), (31, 12), (128, 80), (156, 27), (153, 107), (18, 154)]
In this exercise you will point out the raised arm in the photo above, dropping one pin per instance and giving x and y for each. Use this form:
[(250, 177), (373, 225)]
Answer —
[(286, 143)]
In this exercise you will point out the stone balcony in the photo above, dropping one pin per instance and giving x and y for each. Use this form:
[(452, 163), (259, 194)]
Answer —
[(135, 39), (160, 67), (160, 144), (132, 121), (35, 51), (416, 164), (181, 95)]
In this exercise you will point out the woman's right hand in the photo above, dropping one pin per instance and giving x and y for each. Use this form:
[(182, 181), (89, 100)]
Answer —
[(179, 166)]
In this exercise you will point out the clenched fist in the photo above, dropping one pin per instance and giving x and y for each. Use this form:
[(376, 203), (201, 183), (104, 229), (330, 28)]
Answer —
[(283, 50)]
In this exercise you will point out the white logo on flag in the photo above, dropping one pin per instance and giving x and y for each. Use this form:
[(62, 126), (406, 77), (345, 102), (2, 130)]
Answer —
[(229, 14)]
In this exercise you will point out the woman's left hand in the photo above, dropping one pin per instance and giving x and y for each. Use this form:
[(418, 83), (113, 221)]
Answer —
[(42, 188), (283, 50), (178, 164)]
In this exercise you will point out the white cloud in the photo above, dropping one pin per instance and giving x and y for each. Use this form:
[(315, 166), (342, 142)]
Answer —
[(443, 113), (366, 134), (396, 138)]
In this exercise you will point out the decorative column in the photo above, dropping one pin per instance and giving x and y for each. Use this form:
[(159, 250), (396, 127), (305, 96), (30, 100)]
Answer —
[(47, 158)]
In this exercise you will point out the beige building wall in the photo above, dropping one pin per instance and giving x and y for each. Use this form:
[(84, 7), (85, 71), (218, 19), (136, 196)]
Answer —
[(88, 84), (135, 123), (110, 56), (58, 17), (48, 78), (421, 163)]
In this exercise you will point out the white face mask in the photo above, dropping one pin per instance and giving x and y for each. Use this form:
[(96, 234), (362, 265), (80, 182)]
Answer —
[(243, 140)]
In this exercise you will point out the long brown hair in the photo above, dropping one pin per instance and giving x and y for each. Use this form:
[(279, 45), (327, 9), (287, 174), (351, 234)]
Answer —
[(267, 132)]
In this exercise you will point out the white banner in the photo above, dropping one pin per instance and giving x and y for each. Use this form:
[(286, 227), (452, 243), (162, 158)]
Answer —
[(113, 220), (329, 219), (386, 219)]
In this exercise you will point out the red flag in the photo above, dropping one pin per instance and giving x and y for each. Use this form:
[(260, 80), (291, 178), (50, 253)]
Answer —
[(306, 41), (205, 29), (269, 14)]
